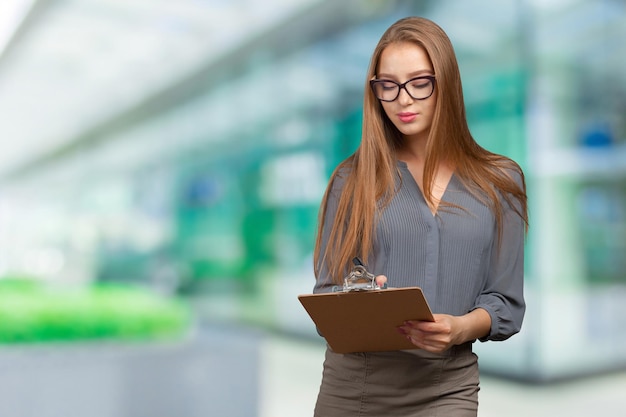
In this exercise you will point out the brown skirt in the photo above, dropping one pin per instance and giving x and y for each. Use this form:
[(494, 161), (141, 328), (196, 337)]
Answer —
[(400, 384)]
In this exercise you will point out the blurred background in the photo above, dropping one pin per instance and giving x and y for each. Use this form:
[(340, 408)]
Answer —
[(161, 170)]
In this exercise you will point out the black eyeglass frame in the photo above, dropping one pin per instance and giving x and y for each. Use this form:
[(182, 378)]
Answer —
[(431, 78)]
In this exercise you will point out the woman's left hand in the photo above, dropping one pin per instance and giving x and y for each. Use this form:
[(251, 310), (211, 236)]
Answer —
[(437, 336), (446, 331)]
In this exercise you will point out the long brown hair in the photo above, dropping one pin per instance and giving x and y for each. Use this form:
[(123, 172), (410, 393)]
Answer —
[(371, 170)]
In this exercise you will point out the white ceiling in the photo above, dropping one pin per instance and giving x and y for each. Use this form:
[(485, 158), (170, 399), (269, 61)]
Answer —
[(75, 63)]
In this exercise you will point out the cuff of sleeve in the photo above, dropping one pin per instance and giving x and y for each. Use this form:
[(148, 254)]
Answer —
[(495, 322)]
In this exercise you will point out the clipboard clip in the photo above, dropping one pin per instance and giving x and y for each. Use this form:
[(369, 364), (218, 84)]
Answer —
[(359, 279)]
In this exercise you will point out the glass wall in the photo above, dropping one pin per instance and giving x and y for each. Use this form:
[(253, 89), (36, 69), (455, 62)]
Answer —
[(577, 148), (216, 197)]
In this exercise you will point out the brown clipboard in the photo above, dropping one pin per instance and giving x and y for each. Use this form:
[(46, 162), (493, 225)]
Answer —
[(366, 321)]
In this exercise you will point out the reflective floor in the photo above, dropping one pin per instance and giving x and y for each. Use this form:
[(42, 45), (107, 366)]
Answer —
[(291, 369)]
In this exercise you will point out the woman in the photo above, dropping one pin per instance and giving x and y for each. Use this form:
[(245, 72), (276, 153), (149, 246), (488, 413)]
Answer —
[(422, 204)]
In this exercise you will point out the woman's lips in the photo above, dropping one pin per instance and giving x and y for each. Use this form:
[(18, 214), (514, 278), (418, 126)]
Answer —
[(407, 117)]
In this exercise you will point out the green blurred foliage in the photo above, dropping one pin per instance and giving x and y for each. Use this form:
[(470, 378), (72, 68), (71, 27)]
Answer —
[(31, 312)]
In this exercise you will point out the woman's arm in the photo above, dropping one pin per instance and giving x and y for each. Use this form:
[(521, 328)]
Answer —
[(323, 281), (503, 293)]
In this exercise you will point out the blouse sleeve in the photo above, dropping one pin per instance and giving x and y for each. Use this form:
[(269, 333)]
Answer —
[(323, 281), (503, 294)]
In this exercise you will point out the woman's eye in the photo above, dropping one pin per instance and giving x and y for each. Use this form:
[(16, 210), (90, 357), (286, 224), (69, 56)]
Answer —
[(420, 84)]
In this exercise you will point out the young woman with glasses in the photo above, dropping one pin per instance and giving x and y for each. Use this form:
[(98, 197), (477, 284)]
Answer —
[(422, 204)]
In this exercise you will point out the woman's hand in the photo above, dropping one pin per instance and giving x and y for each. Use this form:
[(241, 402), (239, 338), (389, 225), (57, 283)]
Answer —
[(381, 280), (437, 336), (447, 331)]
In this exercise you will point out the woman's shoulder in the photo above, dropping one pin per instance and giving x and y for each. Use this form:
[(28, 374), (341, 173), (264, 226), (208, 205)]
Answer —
[(510, 185), (507, 169), (340, 174)]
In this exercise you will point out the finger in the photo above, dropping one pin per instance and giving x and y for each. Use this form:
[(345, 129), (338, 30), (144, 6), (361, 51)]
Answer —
[(427, 326), (424, 345), (381, 280), (418, 343), (424, 326)]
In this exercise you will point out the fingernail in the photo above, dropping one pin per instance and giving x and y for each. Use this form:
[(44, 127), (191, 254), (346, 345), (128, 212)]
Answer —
[(401, 330)]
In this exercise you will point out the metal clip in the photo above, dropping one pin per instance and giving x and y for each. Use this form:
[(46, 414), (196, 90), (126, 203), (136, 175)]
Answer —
[(359, 279)]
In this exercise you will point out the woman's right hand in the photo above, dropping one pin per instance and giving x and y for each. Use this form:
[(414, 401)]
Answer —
[(381, 280)]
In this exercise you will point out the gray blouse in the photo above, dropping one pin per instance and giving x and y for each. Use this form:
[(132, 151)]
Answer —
[(454, 256)]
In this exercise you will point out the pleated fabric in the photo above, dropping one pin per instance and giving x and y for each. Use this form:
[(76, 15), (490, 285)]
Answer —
[(399, 384)]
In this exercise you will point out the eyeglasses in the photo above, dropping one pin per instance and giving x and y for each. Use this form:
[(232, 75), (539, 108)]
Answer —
[(419, 88)]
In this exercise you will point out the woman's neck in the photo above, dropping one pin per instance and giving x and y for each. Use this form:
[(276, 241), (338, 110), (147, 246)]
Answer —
[(413, 152)]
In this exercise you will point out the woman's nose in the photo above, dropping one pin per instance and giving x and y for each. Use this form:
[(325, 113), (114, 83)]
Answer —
[(404, 97)]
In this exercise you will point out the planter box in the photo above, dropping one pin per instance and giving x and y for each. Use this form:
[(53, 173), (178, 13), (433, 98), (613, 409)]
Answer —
[(212, 373)]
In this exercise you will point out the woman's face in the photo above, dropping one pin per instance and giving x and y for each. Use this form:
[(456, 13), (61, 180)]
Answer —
[(401, 62)]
